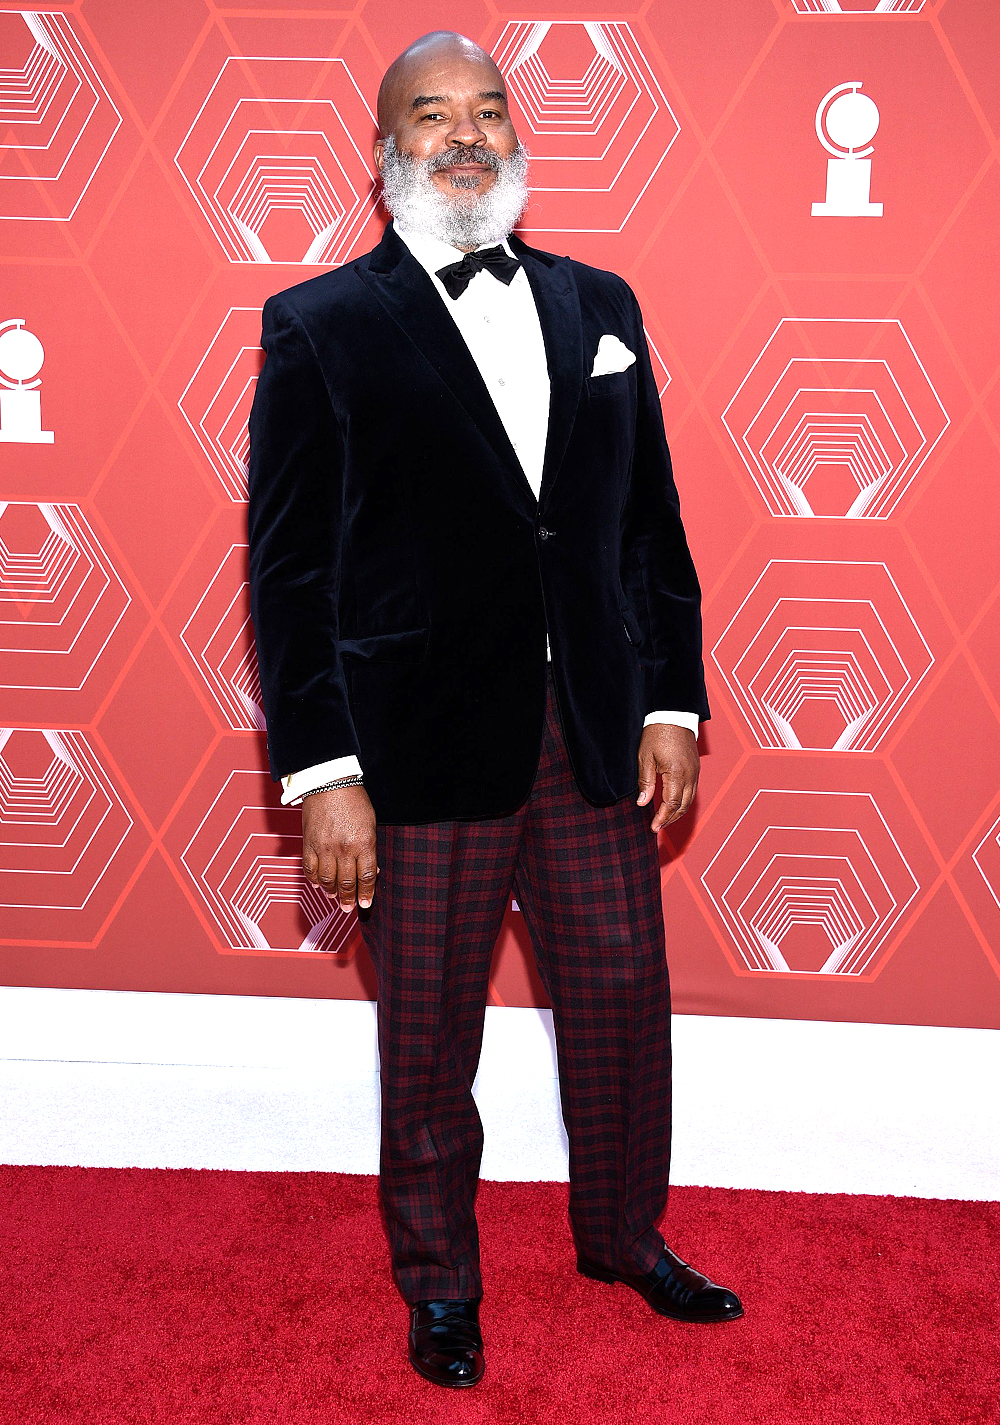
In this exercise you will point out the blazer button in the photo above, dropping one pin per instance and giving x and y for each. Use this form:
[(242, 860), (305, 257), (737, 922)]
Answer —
[(543, 533)]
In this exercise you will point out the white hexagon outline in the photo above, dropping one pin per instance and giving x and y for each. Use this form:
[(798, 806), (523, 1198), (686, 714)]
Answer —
[(605, 36), (356, 214), (796, 506), (653, 348), (747, 946), (322, 233), (762, 721), (239, 931), (231, 701), (66, 48), (67, 522), (992, 835), (232, 476), (879, 7), (64, 743), (817, 893)]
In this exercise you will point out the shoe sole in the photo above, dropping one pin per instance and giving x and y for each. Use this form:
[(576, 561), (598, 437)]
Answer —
[(601, 1274), (446, 1384)]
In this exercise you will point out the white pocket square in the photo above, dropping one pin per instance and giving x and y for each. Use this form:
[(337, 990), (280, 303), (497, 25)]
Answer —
[(612, 355)]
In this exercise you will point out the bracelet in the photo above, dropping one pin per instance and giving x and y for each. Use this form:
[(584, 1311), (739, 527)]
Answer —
[(353, 781)]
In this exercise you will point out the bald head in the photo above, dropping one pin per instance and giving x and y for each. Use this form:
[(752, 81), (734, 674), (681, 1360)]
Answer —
[(436, 53)]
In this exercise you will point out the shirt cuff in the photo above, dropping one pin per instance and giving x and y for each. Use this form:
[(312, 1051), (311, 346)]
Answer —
[(298, 784), (676, 719)]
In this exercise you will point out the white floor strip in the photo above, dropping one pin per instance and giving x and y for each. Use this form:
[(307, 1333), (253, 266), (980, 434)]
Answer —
[(123, 1079)]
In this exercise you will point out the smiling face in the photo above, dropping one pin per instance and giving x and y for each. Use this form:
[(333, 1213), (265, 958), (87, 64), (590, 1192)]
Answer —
[(448, 154), (444, 101)]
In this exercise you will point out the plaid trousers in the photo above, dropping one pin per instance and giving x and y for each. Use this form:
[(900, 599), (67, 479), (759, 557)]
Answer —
[(587, 881)]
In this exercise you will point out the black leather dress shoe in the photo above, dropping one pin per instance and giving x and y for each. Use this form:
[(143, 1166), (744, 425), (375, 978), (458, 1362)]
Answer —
[(673, 1289), (446, 1345)]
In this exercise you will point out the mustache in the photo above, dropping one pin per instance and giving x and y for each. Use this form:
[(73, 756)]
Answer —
[(453, 156)]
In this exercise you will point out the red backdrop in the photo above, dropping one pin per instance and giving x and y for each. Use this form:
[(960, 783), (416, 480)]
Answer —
[(822, 307)]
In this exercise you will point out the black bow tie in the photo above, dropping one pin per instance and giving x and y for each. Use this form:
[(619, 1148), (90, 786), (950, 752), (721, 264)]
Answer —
[(457, 275)]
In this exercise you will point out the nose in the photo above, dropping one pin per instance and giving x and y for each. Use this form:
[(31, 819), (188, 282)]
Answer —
[(467, 134)]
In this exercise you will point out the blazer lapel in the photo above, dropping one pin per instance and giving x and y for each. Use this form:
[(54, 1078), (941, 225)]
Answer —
[(406, 292), (557, 302)]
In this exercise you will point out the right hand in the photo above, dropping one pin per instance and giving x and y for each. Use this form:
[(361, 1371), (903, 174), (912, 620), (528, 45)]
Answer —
[(338, 845)]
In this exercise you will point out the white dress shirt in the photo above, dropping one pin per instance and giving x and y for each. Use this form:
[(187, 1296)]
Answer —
[(500, 326)]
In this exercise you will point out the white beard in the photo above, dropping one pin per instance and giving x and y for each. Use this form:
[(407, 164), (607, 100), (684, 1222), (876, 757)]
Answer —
[(467, 220)]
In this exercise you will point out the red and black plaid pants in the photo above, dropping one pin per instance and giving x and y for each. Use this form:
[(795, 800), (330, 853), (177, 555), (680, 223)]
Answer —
[(587, 880)]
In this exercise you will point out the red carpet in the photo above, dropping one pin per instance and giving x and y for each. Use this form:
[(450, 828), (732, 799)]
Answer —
[(217, 1298)]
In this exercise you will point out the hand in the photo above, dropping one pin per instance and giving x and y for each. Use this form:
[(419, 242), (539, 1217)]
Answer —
[(338, 845), (672, 753)]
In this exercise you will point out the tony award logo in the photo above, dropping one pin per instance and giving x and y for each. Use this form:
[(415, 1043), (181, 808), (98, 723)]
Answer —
[(21, 358), (846, 123)]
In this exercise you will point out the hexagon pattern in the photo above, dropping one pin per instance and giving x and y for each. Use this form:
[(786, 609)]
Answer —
[(835, 418), (273, 159), (254, 889), (219, 638), (216, 401), (831, 669), (810, 882), (829, 394), (57, 118), (855, 7), (63, 821), (61, 598), (593, 116)]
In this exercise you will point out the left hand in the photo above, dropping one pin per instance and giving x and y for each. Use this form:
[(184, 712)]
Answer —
[(671, 753)]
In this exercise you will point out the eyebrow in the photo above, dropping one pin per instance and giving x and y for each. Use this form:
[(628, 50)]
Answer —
[(423, 99)]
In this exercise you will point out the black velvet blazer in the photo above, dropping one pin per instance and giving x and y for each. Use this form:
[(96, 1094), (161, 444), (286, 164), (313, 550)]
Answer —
[(402, 574)]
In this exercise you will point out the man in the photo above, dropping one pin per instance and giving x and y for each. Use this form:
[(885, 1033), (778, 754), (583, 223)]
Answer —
[(478, 627)]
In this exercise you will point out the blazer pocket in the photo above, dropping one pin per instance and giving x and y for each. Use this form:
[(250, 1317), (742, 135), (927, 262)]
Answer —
[(613, 383), (406, 645), (632, 630)]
